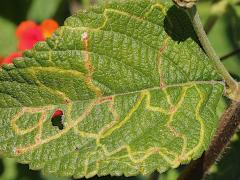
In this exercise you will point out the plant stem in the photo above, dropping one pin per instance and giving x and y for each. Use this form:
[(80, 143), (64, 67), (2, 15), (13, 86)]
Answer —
[(74, 6), (229, 124), (233, 89)]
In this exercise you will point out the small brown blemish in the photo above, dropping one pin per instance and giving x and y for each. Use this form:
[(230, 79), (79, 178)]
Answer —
[(38, 140), (172, 109), (161, 51), (18, 151), (90, 68), (162, 85), (110, 98), (85, 41), (67, 101), (88, 65), (84, 36), (105, 99), (156, 150)]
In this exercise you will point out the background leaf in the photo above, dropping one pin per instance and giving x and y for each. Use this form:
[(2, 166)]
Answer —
[(224, 34), (7, 37), (10, 171), (43, 9), (224, 41), (228, 165)]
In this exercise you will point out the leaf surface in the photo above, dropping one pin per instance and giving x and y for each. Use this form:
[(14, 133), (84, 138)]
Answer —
[(136, 90)]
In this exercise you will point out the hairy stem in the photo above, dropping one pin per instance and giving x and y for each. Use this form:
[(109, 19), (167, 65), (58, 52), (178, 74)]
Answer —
[(233, 89), (229, 124), (74, 6)]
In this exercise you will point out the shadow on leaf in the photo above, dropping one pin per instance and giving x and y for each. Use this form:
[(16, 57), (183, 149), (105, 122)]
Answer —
[(178, 25)]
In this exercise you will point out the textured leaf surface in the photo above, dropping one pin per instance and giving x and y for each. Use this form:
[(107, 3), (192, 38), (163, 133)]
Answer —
[(137, 93)]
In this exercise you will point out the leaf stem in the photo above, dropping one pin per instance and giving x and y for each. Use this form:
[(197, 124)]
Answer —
[(233, 88), (229, 124)]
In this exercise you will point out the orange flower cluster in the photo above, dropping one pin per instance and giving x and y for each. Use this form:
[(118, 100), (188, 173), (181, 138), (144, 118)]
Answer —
[(29, 33)]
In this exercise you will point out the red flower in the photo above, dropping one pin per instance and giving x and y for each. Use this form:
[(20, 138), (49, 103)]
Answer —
[(23, 26), (28, 34), (48, 27), (9, 59), (1, 60)]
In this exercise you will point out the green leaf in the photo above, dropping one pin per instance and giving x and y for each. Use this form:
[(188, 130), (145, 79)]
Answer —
[(224, 41), (10, 169), (8, 41), (170, 175), (43, 9), (137, 92)]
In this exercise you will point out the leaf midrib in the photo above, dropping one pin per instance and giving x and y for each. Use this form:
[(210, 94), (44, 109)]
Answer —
[(212, 82)]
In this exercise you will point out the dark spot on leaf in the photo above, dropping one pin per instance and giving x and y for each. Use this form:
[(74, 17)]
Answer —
[(67, 101), (58, 119)]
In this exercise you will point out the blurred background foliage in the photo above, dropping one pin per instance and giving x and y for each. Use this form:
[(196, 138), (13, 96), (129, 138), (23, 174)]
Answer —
[(222, 23)]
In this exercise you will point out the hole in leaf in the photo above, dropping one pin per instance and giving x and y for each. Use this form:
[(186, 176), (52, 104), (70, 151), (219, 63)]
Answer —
[(58, 119)]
